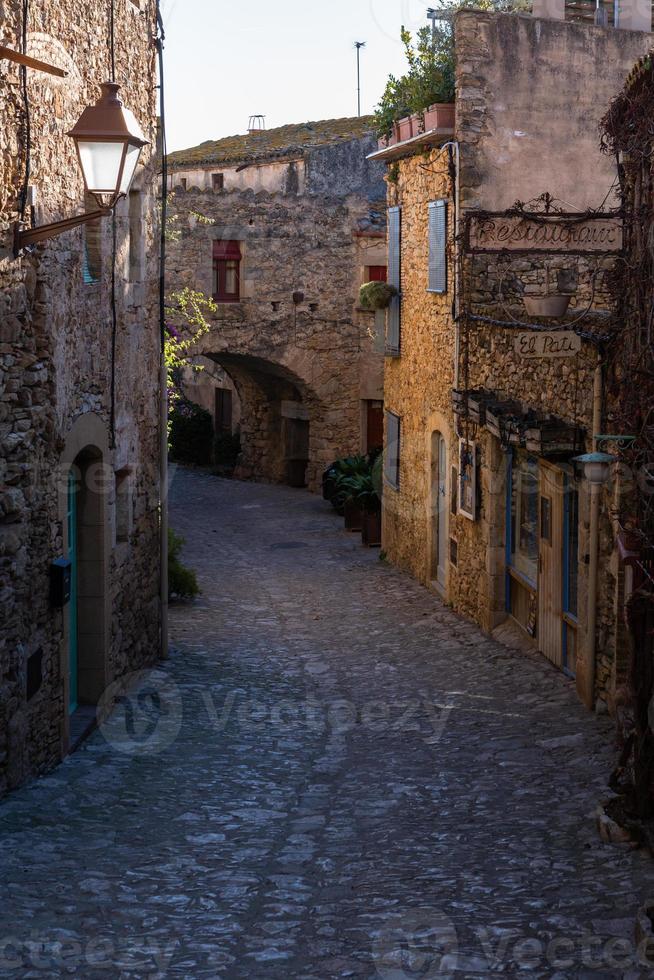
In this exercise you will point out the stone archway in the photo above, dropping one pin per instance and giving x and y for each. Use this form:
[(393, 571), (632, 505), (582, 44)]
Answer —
[(282, 421)]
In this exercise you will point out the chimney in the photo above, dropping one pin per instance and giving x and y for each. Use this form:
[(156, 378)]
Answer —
[(256, 125)]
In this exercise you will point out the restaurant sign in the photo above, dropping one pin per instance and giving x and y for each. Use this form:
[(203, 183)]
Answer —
[(548, 343), (601, 233)]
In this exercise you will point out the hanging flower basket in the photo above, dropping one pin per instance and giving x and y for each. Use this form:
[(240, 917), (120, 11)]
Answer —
[(376, 295), (555, 304)]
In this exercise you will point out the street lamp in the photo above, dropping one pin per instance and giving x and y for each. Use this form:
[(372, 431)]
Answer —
[(108, 140), (597, 467)]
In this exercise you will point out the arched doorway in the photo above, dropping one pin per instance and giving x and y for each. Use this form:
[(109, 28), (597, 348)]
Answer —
[(439, 510), (87, 620)]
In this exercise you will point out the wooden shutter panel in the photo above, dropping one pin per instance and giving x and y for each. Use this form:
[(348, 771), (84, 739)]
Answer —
[(394, 279), (392, 450), (438, 247)]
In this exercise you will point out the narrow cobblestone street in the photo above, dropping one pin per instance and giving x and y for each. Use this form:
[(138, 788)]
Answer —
[(338, 777)]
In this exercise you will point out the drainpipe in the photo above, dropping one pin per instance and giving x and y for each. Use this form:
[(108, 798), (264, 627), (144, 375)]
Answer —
[(595, 499), (457, 256), (163, 482)]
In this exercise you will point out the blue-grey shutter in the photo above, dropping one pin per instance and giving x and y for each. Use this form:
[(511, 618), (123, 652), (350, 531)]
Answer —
[(394, 279), (392, 450), (438, 247)]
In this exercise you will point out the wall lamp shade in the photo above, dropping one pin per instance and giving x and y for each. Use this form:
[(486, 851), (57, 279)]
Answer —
[(597, 467), (109, 141)]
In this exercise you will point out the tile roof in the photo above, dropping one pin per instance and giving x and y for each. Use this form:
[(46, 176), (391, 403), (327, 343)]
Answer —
[(280, 142)]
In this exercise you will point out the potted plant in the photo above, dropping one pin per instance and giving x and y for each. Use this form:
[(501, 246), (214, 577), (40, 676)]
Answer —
[(353, 514), (363, 490), (376, 295), (334, 485)]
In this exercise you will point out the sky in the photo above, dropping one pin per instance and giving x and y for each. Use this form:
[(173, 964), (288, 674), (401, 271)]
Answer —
[(292, 61)]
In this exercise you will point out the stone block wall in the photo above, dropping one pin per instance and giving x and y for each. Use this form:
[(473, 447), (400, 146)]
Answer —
[(55, 371)]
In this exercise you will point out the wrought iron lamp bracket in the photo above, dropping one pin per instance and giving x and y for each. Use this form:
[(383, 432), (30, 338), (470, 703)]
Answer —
[(617, 441)]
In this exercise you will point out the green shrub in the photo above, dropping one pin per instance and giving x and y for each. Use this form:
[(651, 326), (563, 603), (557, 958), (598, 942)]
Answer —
[(191, 434), (182, 581), (376, 295)]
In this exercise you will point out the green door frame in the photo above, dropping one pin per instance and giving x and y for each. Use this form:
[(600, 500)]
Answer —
[(72, 616)]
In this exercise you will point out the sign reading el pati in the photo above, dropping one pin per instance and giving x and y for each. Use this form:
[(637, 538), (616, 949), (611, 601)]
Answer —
[(562, 233), (550, 343)]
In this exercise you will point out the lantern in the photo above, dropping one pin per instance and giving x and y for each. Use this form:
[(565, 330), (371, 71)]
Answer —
[(109, 142), (597, 467)]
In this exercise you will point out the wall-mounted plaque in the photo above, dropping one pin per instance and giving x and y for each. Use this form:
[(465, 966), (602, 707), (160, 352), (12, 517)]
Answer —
[(547, 343), (544, 233)]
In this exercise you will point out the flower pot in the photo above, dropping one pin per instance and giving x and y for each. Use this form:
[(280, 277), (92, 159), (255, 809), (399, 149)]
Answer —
[(353, 514), (371, 530), (556, 304), (405, 128), (439, 116)]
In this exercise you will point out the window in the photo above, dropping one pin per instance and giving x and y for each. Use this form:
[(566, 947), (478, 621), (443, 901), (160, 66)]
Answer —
[(123, 506), (92, 252), (524, 516), (227, 271), (437, 247), (218, 182), (392, 454), (183, 183), (376, 273), (135, 237), (395, 279)]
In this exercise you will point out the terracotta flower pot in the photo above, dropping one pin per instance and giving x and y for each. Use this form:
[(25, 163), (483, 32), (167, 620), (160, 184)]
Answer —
[(371, 530), (405, 128), (353, 514), (439, 116)]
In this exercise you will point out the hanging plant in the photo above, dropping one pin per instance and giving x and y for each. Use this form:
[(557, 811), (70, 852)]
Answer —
[(376, 295)]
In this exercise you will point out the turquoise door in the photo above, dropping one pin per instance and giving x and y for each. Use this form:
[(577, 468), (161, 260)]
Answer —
[(72, 621)]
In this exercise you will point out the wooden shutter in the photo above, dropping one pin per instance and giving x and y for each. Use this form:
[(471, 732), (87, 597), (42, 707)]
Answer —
[(438, 247), (395, 279), (392, 451)]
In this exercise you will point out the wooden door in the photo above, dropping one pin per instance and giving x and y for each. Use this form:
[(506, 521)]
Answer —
[(439, 508), (72, 616), (374, 425), (550, 563), (223, 410)]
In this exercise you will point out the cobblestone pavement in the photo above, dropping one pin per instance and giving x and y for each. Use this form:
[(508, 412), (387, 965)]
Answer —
[(332, 776)]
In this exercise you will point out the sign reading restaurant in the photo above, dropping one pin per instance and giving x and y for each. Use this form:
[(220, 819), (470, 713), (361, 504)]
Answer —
[(544, 233)]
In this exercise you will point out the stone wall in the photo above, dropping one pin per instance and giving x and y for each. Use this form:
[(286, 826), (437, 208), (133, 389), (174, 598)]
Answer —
[(520, 133), (530, 95), (320, 351), (55, 374)]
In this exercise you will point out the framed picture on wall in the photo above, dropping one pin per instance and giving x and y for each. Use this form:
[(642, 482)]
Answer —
[(468, 479)]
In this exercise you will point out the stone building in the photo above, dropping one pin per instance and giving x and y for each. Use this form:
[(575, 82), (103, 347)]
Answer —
[(282, 227), (78, 454), (499, 210)]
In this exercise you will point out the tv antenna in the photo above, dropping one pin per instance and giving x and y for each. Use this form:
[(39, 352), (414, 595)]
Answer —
[(358, 45)]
